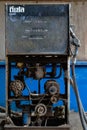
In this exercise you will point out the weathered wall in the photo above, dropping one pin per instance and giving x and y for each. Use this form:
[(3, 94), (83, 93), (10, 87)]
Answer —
[(2, 31), (78, 18)]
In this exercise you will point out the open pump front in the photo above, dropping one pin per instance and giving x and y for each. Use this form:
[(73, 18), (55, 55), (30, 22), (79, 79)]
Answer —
[(37, 46)]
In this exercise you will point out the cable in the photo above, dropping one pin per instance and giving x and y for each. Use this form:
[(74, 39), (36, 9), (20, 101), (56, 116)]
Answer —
[(56, 77), (80, 107)]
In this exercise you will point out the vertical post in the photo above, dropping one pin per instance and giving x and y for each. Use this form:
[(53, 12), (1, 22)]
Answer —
[(7, 71), (68, 88), (8, 78), (66, 68)]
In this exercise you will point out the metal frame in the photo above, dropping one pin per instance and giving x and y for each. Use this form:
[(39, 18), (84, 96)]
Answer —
[(63, 60)]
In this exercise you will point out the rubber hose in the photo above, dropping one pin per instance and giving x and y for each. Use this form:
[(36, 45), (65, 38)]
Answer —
[(85, 118), (84, 125)]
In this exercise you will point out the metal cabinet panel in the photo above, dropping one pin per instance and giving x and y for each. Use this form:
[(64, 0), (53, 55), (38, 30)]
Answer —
[(37, 29)]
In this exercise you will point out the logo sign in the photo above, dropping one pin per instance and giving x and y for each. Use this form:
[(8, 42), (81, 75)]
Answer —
[(16, 9)]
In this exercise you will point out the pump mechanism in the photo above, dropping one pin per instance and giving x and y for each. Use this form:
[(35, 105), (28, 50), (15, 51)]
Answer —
[(39, 48)]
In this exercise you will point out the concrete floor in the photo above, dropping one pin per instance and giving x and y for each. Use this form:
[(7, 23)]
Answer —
[(74, 121)]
